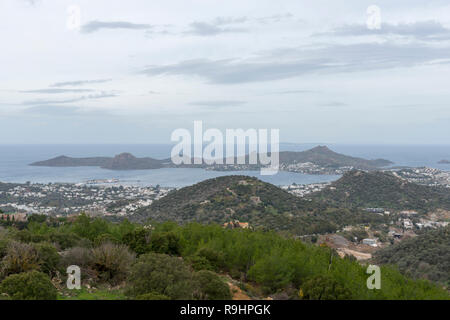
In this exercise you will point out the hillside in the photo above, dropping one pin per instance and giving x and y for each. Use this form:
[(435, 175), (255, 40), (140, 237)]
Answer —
[(324, 157), (123, 161), (320, 156), (248, 199), (426, 256), (382, 189)]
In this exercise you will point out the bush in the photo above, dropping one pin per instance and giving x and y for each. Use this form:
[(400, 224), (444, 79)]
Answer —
[(152, 296), (324, 287), (20, 257), (112, 261), (32, 285), (160, 274), (80, 257), (138, 241), (211, 287), (49, 258), (199, 263), (165, 242)]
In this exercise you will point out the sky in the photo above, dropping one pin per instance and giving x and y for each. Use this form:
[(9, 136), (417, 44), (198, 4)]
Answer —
[(114, 71)]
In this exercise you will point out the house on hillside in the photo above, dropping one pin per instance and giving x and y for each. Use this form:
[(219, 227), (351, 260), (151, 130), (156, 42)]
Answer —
[(236, 224), (370, 242)]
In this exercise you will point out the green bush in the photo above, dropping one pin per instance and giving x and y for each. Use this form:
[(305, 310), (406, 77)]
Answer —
[(152, 296), (324, 287), (165, 242), (32, 285), (49, 258), (211, 287), (160, 274)]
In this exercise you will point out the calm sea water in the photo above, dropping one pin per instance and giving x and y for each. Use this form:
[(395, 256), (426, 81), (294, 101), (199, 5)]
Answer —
[(15, 160)]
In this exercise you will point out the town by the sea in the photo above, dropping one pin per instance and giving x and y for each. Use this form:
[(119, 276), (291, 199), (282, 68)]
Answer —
[(15, 160)]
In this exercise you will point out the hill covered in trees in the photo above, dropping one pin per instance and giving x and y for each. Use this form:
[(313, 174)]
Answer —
[(324, 157), (248, 199), (167, 261), (382, 189), (425, 256)]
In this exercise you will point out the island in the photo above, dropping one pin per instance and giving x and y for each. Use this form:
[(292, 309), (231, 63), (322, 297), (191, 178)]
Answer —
[(444, 162), (318, 160)]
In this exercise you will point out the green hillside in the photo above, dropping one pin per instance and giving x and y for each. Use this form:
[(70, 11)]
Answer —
[(248, 199), (382, 189), (426, 256)]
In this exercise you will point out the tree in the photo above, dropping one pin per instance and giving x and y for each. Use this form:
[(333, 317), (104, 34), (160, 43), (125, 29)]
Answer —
[(211, 287), (33, 285), (324, 287), (160, 274)]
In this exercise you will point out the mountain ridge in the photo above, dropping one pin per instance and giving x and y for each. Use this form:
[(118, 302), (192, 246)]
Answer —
[(320, 156)]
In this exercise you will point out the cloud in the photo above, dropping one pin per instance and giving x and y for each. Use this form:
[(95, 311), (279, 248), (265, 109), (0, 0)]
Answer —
[(294, 62), (55, 91), (211, 29), (275, 18), (54, 110), (294, 91), (218, 103), (333, 104), (79, 82), (421, 30), (94, 26), (32, 2), (96, 96)]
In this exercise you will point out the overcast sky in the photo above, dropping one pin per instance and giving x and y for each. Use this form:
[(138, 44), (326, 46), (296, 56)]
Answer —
[(133, 71)]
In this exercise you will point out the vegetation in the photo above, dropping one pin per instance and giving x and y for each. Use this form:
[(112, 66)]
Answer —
[(33, 285), (263, 205), (190, 261), (426, 256), (358, 189)]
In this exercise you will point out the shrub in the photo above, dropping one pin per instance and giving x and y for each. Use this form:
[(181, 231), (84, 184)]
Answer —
[(324, 287), (20, 257), (32, 285), (80, 257), (152, 296), (215, 258), (138, 241), (199, 263), (211, 287), (160, 274), (165, 242), (48, 257), (112, 261)]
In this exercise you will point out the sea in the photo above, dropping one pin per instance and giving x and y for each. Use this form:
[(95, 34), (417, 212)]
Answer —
[(15, 160)]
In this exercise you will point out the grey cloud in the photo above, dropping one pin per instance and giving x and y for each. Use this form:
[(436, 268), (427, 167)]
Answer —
[(55, 91), (54, 110), (218, 103), (274, 18), (65, 111), (71, 100), (96, 25), (422, 30), (294, 62), (294, 91), (211, 29), (333, 104), (79, 82)]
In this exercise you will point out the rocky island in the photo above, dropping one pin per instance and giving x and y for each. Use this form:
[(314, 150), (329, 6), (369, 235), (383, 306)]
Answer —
[(318, 160)]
